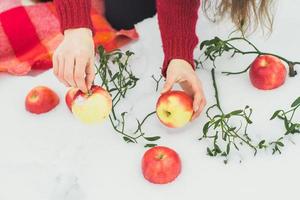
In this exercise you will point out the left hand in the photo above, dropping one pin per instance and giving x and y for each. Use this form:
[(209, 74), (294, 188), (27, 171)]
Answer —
[(180, 71)]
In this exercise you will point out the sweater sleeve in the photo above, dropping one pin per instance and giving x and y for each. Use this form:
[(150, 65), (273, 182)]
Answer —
[(74, 14), (177, 22)]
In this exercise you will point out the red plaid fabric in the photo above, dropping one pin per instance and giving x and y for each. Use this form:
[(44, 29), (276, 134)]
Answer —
[(30, 34)]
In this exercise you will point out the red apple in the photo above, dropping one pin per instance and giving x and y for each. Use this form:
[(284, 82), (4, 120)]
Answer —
[(161, 165), (174, 109), (41, 99), (90, 108), (267, 72), (70, 97)]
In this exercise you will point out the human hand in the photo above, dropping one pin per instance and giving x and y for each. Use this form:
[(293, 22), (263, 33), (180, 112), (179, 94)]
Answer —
[(180, 71), (73, 60)]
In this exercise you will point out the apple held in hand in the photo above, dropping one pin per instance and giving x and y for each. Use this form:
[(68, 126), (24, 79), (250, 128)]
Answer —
[(41, 99), (174, 109), (161, 165), (267, 72), (89, 108)]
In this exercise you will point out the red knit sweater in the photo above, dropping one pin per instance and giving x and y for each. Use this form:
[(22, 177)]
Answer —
[(177, 22)]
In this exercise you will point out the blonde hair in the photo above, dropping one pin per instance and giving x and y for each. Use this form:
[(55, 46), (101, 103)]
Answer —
[(245, 14)]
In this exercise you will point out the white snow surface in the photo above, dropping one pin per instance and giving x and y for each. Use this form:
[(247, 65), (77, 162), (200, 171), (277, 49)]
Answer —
[(55, 157)]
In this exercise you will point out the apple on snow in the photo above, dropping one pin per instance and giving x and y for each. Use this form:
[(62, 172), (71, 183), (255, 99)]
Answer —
[(161, 165), (174, 109), (267, 72), (41, 99), (93, 107)]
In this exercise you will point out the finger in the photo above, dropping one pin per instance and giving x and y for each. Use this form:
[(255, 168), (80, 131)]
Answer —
[(69, 70), (199, 111), (90, 74), (169, 84), (61, 69), (55, 65), (197, 101), (79, 74)]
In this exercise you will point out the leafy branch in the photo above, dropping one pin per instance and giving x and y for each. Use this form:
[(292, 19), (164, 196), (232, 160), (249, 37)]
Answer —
[(291, 127), (224, 134), (216, 47), (118, 79)]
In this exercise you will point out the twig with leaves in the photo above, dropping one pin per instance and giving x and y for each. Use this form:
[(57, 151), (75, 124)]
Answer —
[(216, 47), (118, 81), (224, 134), (291, 127)]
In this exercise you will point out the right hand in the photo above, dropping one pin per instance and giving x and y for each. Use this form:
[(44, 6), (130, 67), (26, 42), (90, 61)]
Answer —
[(73, 60), (180, 71)]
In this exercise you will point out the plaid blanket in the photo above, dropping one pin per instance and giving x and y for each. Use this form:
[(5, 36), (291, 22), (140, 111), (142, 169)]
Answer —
[(30, 34)]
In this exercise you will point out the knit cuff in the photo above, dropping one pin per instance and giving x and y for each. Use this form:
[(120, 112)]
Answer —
[(74, 14), (180, 48)]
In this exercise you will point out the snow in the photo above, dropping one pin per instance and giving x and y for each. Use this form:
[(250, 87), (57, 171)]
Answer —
[(55, 157)]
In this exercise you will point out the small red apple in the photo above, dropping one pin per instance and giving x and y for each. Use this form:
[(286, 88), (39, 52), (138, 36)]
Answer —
[(174, 109), (92, 107), (41, 99), (161, 165), (267, 72)]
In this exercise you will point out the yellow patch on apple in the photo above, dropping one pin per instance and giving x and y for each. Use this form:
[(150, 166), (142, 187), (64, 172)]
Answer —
[(91, 108), (175, 109), (95, 109)]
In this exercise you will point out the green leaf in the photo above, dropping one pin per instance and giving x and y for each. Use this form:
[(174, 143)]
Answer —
[(101, 50), (228, 148), (217, 123), (232, 129), (224, 154), (128, 140), (205, 128), (204, 43), (280, 144), (248, 120), (129, 53), (296, 102), (236, 112), (150, 145), (237, 148), (151, 139), (209, 152), (286, 124), (115, 76), (217, 149), (261, 144), (275, 114)]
